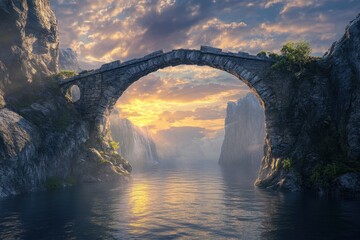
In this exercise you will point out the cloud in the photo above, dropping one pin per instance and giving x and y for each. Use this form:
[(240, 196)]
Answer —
[(181, 96), (291, 4), (175, 116), (270, 3), (288, 5), (209, 113), (102, 31), (202, 113), (191, 84)]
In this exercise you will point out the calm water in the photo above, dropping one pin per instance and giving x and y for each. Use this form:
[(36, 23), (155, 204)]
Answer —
[(198, 202)]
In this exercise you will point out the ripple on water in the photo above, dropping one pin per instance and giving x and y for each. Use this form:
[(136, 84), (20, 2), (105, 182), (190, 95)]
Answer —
[(177, 203)]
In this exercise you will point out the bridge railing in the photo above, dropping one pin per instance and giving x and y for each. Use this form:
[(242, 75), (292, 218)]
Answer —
[(203, 49)]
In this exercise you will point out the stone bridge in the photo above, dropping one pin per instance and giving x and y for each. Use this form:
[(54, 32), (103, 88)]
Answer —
[(288, 102), (312, 117), (101, 88)]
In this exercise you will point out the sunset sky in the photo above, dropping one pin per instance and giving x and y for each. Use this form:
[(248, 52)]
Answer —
[(189, 99)]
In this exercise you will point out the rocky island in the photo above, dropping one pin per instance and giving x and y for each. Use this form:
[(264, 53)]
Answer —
[(43, 141)]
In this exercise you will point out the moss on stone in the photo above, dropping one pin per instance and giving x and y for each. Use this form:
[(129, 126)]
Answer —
[(52, 183), (114, 145), (261, 54), (63, 121), (324, 174), (287, 164), (66, 74)]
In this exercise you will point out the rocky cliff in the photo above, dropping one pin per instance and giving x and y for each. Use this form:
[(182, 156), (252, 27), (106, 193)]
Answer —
[(136, 145), (68, 60), (244, 134), (43, 141), (312, 123)]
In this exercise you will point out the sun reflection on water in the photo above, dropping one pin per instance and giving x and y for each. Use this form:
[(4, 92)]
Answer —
[(173, 202), (139, 198)]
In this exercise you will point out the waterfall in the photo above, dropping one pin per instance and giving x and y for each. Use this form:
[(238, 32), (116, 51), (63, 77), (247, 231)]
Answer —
[(136, 144)]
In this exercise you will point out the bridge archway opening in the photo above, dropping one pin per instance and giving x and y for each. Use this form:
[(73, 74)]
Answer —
[(73, 93), (173, 104)]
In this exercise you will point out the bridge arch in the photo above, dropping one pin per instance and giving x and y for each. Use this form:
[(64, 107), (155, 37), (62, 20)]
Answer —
[(100, 89)]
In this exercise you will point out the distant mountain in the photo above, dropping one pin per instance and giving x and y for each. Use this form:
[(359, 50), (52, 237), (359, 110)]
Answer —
[(136, 145), (244, 133), (68, 60)]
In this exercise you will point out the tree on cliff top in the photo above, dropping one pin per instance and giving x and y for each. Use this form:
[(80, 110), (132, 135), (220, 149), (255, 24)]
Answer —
[(294, 54)]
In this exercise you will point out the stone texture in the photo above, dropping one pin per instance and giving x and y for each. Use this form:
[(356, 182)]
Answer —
[(93, 166), (41, 134), (18, 137), (68, 60), (348, 184), (4, 79), (343, 61), (29, 50)]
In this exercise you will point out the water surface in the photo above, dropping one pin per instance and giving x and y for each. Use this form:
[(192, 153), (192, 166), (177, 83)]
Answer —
[(183, 202)]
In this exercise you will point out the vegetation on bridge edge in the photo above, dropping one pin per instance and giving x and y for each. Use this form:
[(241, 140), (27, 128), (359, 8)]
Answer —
[(66, 74), (293, 57)]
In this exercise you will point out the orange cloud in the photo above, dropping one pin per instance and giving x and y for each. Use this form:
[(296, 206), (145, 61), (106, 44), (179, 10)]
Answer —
[(168, 99)]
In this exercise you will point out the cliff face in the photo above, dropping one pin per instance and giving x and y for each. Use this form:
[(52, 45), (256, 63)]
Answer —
[(136, 145), (29, 50), (244, 134), (343, 62), (68, 60), (312, 125), (42, 137)]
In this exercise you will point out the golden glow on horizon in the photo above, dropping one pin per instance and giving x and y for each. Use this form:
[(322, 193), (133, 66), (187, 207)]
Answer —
[(180, 92)]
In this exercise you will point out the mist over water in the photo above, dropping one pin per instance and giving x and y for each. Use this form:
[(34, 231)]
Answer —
[(182, 201)]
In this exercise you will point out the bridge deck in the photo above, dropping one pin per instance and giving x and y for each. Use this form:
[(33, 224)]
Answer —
[(204, 50)]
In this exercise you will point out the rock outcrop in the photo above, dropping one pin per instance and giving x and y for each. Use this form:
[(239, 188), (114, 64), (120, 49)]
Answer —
[(42, 137), (136, 145), (244, 134), (312, 136), (30, 49), (68, 60)]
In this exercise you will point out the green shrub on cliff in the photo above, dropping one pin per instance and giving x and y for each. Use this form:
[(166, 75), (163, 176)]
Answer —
[(114, 145), (294, 56), (66, 74), (325, 173), (262, 54), (287, 164)]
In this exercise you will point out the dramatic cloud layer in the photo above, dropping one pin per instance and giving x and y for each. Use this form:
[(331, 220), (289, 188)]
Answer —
[(104, 30)]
